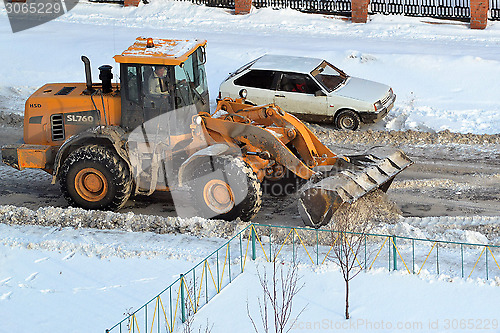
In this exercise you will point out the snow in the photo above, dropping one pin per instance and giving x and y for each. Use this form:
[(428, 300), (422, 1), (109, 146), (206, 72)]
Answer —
[(379, 302), (80, 280), (161, 48), (65, 277), (444, 75)]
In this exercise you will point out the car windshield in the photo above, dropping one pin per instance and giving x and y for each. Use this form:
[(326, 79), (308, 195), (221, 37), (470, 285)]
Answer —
[(329, 76)]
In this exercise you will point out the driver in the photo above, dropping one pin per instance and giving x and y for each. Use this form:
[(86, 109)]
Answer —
[(157, 81)]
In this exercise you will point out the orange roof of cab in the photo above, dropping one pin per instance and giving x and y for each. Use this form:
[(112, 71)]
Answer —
[(164, 52)]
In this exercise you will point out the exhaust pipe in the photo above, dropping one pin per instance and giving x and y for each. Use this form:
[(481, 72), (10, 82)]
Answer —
[(88, 76), (105, 75)]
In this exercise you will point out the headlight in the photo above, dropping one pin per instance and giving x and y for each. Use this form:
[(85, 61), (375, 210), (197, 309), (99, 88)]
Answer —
[(378, 106), (243, 93), (198, 120)]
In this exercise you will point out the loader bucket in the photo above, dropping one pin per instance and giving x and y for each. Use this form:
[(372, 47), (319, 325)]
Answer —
[(349, 181)]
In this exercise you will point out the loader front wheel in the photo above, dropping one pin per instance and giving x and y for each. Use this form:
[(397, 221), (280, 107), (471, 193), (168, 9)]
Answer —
[(225, 188), (93, 177), (347, 120)]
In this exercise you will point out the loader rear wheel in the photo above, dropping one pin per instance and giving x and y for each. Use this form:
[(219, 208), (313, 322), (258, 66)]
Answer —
[(347, 120), (93, 177), (225, 188)]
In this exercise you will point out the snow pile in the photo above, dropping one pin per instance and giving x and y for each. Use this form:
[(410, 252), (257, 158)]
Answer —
[(80, 218), (402, 138), (11, 119), (107, 244), (470, 229)]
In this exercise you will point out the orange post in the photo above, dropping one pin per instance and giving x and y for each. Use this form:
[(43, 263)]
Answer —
[(129, 3), (242, 6), (359, 11), (478, 14)]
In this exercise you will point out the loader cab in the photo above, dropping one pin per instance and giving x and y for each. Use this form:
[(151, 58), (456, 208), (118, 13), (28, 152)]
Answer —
[(160, 76)]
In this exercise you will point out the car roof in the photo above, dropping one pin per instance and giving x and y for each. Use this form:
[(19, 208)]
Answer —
[(286, 63)]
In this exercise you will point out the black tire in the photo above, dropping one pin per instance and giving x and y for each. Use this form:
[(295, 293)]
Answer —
[(347, 120), (226, 187), (94, 177)]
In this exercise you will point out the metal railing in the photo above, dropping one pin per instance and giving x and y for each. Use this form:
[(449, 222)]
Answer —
[(190, 292), (195, 288), (445, 9)]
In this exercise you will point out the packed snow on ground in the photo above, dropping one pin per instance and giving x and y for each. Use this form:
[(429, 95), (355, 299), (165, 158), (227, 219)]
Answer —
[(86, 280), (445, 75)]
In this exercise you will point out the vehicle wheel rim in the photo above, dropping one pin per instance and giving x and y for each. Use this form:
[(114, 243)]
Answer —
[(347, 122), (218, 196), (91, 184)]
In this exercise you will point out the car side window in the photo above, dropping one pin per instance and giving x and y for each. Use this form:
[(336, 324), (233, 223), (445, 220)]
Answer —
[(256, 79), (300, 83)]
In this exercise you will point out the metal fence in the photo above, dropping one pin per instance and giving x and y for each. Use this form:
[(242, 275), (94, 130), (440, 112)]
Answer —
[(195, 288), (447, 9)]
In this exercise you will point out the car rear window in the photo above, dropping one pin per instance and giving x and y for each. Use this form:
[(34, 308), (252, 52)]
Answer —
[(241, 69), (256, 79)]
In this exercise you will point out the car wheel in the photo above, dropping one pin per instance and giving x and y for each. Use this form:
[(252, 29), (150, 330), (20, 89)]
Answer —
[(347, 120)]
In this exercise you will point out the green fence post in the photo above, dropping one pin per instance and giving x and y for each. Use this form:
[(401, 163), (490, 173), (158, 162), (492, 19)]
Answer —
[(206, 282), (389, 255), (183, 304), (254, 254), (462, 253), (486, 262), (270, 247), (413, 256), (171, 318), (194, 290), (218, 276), (394, 254), (365, 252), (437, 257), (317, 247), (241, 255), (229, 261)]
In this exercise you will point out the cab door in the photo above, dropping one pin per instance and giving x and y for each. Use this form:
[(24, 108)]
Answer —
[(299, 94)]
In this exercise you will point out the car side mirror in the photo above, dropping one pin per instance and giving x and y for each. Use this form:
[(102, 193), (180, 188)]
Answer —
[(319, 93)]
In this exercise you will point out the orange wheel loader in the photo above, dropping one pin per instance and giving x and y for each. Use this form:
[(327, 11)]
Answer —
[(154, 132)]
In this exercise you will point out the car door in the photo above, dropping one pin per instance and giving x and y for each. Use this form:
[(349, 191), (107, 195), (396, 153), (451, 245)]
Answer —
[(259, 84), (299, 94)]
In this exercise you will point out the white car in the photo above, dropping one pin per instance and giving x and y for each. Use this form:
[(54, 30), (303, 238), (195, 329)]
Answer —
[(312, 89)]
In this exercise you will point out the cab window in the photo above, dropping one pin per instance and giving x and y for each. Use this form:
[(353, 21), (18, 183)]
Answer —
[(132, 88)]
